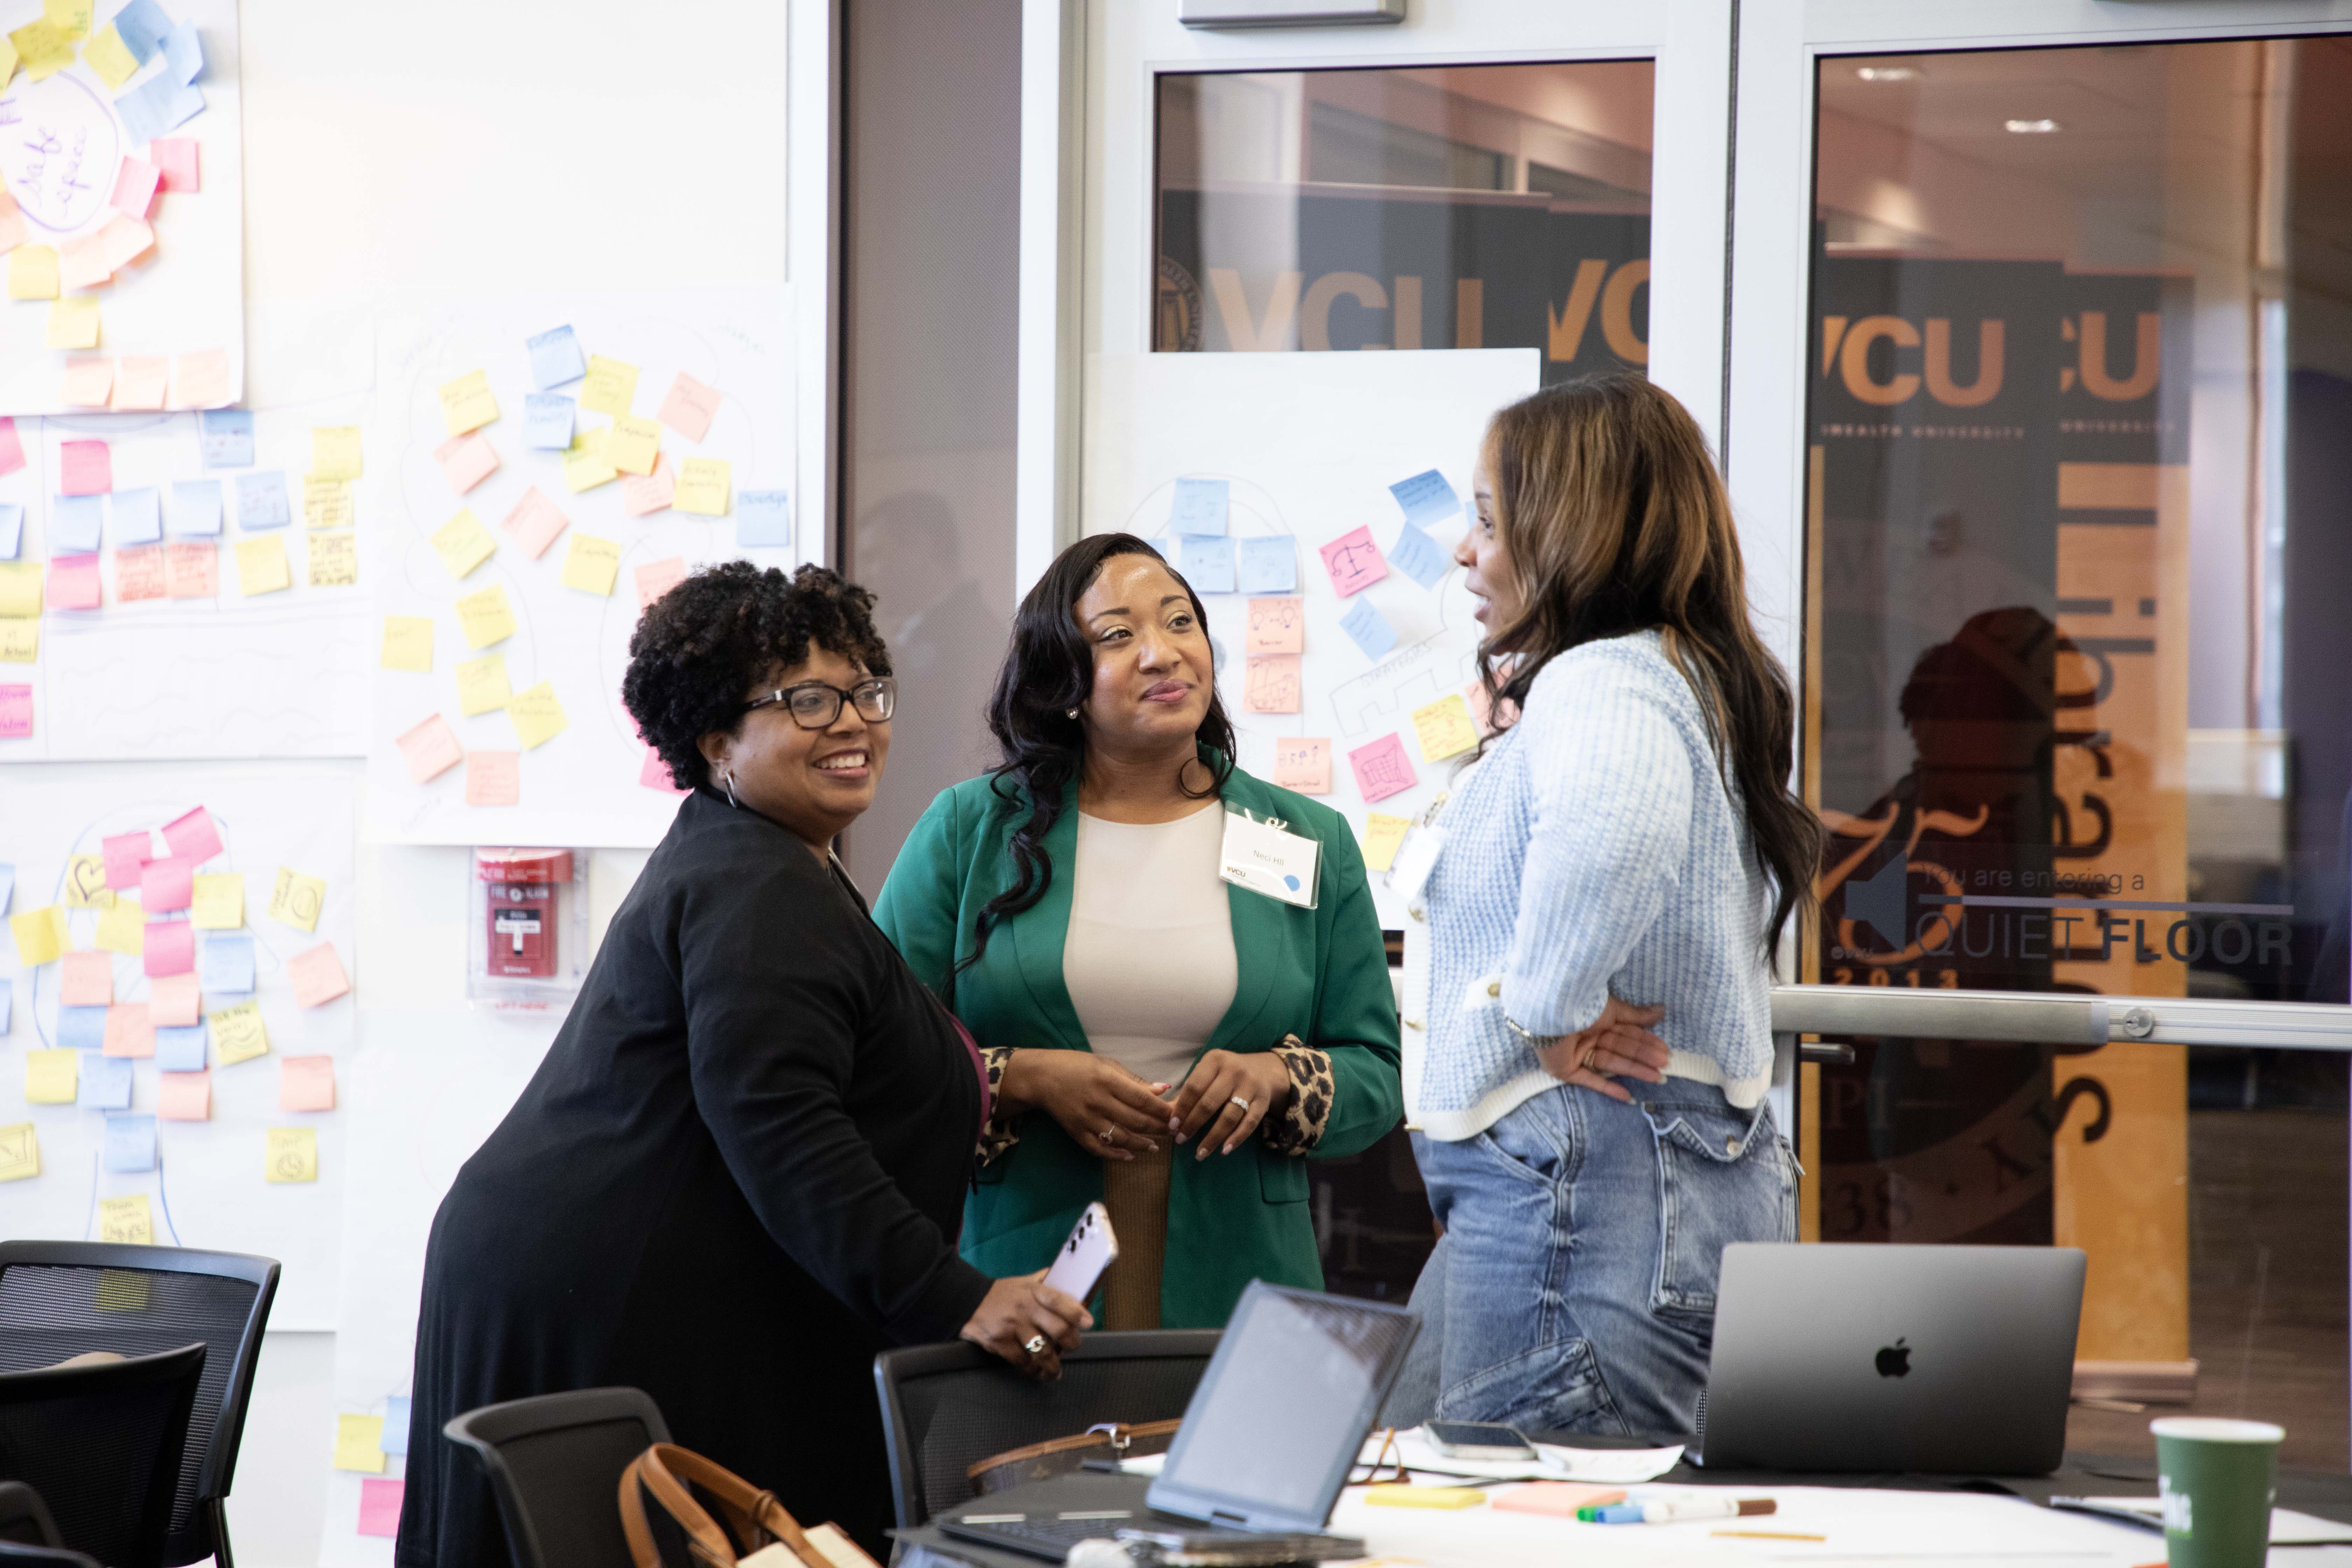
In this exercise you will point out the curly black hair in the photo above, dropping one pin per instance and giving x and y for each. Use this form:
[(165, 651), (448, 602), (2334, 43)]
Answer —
[(722, 632)]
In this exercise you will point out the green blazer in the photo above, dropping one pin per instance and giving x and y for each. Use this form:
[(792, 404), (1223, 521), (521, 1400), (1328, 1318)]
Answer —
[(1319, 973)]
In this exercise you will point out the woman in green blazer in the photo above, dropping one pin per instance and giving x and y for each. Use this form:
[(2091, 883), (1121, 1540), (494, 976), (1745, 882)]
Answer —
[(1157, 1038)]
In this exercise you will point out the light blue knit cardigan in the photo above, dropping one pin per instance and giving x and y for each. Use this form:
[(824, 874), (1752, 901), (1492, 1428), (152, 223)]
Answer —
[(1597, 848)]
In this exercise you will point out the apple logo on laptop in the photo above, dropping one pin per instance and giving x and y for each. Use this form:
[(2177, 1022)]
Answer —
[(1895, 1361)]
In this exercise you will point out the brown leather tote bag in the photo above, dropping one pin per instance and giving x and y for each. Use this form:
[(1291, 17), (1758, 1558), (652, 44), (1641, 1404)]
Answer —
[(769, 1535)]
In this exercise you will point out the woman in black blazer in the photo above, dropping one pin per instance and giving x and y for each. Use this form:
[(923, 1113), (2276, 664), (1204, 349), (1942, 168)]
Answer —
[(740, 1172)]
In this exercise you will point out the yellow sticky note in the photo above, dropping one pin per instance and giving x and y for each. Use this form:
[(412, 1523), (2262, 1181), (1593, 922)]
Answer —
[(334, 559), (238, 1034), (633, 444), (359, 1439), (463, 543), (126, 1222), (52, 1078), (45, 47), (466, 403), (72, 18), (85, 886), (296, 898), (294, 1157), (20, 587), (326, 503), (702, 487), (20, 642), (611, 386), (1443, 729), (33, 272), (20, 1152), (585, 466), (590, 565), (219, 903), (335, 451), (1382, 834), (482, 684), (73, 323), (484, 617), (408, 643), (40, 934), (110, 58), (1423, 1497), (7, 61), (538, 716), (261, 565), (122, 928)]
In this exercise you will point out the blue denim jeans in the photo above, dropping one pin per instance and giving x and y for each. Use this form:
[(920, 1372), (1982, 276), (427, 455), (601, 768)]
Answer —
[(1574, 1288)]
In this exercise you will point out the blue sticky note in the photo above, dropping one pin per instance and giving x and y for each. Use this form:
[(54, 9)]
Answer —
[(555, 357), (395, 1425), (763, 517), (1200, 507), (227, 438), (131, 1143), (1209, 564), (180, 1047), (105, 1082), (1417, 557), (1369, 628), (75, 524), (547, 420), (183, 53), (1269, 566), (261, 501), (138, 516), (143, 26), (82, 1028), (7, 1006), (196, 507), (1426, 498), (12, 530), (225, 963), (156, 106), (7, 886)]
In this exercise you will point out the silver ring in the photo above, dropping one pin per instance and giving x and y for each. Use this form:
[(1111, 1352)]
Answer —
[(1034, 1344), (1242, 1103), (1109, 1134)]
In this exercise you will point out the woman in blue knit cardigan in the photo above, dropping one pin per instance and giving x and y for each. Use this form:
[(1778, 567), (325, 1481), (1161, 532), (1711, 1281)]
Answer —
[(1595, 904)]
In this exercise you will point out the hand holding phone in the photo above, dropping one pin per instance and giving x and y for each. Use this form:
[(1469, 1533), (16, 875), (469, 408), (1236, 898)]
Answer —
[(1090, 1249)]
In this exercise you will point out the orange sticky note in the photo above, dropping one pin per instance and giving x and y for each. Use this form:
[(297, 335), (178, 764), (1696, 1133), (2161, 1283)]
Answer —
[(89, 382), (657, 578), (1272, 683), (688, 407), (85, 980), (174, 1001), (430, 749), (466, 460), (141, 381), (306, 1083), (493, 778), (200, 380), (139, 573), (534, 523), (1303, 763), (184, 1096), (1275, 626), (642, 494), (192, 569), (318, 976), (129, 1031)]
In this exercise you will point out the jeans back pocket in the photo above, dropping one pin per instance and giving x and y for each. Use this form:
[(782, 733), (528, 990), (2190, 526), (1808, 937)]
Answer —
[(1724, 1175)]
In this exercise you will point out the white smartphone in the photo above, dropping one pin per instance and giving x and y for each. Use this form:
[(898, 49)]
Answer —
[(1090, 1249)]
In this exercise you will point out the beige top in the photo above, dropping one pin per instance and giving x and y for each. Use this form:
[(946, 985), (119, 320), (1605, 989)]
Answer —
[(1149, 959)]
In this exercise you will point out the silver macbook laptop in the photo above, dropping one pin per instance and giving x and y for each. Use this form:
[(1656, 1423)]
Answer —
[(1945, 1360)]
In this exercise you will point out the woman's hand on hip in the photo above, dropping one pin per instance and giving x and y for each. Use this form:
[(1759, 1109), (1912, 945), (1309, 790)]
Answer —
[(1112, 1113), (1225, 1097), (1029, 1323), (1616, 1044)]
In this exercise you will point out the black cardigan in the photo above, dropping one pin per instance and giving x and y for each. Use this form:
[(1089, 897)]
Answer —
[(737, 1174)]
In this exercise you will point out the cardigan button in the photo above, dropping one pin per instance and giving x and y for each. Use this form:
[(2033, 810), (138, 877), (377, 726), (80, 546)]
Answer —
[(1493, 988)]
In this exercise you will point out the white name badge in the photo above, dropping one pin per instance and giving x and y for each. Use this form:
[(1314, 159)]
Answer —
[(1416, 858), (1268, 859)]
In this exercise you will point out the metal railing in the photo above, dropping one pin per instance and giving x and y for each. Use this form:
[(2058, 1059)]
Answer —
[(2062, 1019)]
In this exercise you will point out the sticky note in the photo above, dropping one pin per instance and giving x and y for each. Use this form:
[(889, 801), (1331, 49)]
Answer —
[(1266, 565), (1275, 626), (219, 903), (8, 888), (192, 571), (85, 980), (261, 501), (1303, 763), (538, 716), (139, 573), (238, 1034), (306, 1083), (296, 898), (125, 854), (85, 469), (1200, 507), (12, 444), (178, 160), (590, 565), (380, 1500), (77, 524), (20, 1152), (702, 486), (1369, 629), (534, 523), (43, 47), (12, 530), (171, 947), (157, 105), (122, 241), (547, 421), (644, 494), (335, 451), (292, 1154), (193, 834), (105, 1082), (1207, 564), (334, 559), (1353, 561), (122, 928), (584, 464), (326, 503), (689, 407), (81, 264), (467, 460), (129, 1143), (20, 641), (105, 55), (13, 231), (32, 272), (467, 403), (184, 1096), (168, 885), (633, 444), (318, 976), (1418, 557), (51, 1077), (764, 518), (73, 583), (654, 773), (611, 386), (144, 25), (484, 617), (481, 684), (1383, 835), (87, 381), (357, 1437), (20, 589), (71, 18), (463, 543), (493, 778), (1426, 497), (1271, 683), (135, 181), (179, 1048), (82, 1028), (86, 883), (227, 968), (407, 643), (656, 578), (196, 507), (1382, 769), (73, 323), (430, 749), (225, 438), (142, 381), (175, 1001), (261, 566), (16, 724), (555, 357), (126, 1222), (396, 1426), (200, 380)]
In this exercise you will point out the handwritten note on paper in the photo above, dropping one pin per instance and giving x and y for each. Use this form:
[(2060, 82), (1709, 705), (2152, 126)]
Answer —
[(702, 487), (1418, 557), (689, 407), (1272, 683), (467, 403), (296, 898), (555, 357), (633, 444), (139, 573), (534, 523), (239, 1033), (1268, 565), (481, 684), (611, 386), (126, 1222), (121, 928), (1275, 626), (1382, 769), (1368, 628), (1208, 563), (585, 466), (1303, 763), (467, 460), (1426, 497), (141, 380), (43, 47), (15, 712), (200, 380), (20, 1154), (590, 565), (307, 1083), (73, 323), (763, 518), (1353, 561), (644, 494), (171, 947), (50, 1076), (334, 559), (463, 543), (129, 1031), (656, 578), (1383, 835), (261, 502), (538, 717), (84, 468), (32, 272), (180, 161), (484, 618), (20, 641), (219, 900), (261, 566), (335, 451), (357, 1437), (1200, 507), (430, 749), (318, 976), (85, 980), (192, 571), (293, 1155), (326, 503), (175, 1001), (184, 1096), (547, 421), (493, 778), (227, 968), (1443, 729), (167, 886), (407, 643), (225, 438), (73, 583)]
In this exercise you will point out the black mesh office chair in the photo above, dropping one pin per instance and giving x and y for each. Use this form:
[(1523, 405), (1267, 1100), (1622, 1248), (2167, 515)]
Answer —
[(59, 1299), (555, 1464), (102, 1443), (945, 1407)]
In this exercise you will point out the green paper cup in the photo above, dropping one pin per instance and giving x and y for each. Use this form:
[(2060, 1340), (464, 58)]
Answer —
[(2217, 1479)]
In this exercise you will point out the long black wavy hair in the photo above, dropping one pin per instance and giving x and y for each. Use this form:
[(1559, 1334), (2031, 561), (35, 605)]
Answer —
[(1047, 671)]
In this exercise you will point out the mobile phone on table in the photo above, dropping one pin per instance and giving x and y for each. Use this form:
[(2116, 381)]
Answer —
[(1090, 1249), (1477, 1440)]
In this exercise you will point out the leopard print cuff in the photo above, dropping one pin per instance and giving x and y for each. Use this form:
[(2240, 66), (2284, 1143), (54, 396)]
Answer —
[(1308, 1110), (998, 1136)]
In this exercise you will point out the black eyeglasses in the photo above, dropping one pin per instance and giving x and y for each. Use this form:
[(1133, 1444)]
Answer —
[(815, 704)]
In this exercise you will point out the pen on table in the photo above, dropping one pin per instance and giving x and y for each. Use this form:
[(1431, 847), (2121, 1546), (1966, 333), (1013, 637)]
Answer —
[(1767, 1535), (1666, 1511)]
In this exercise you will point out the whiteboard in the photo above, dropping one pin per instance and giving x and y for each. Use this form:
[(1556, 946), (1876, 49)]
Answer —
[(1309, 445), (208, 1190), (586, 784)]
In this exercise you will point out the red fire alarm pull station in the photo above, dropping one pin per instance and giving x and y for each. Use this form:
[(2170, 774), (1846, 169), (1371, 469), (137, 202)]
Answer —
[(524, 901)]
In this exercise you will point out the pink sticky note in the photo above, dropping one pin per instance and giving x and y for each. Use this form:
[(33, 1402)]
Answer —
[(493, 778), (134, 187), (657, 578), (12, 448), (81, 263), (124, 854), (184, 1096), (167, 885), (1382, 769), (318, 976), (141, 380), (534, 523), (1353, 561), (15, 712), (306, 1083), (192, 571), (174, 1001), (643, 494), (466, 460), (129, 1031), (1304, 763), (192, 837), (430, 749), (125, 240), (73, 583), (177, 162), (380, 1507), (654, 774), (200, 380), (85, 980), (87, 381), (688, 407), (139, 573), (171, 947), (85, 468)]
